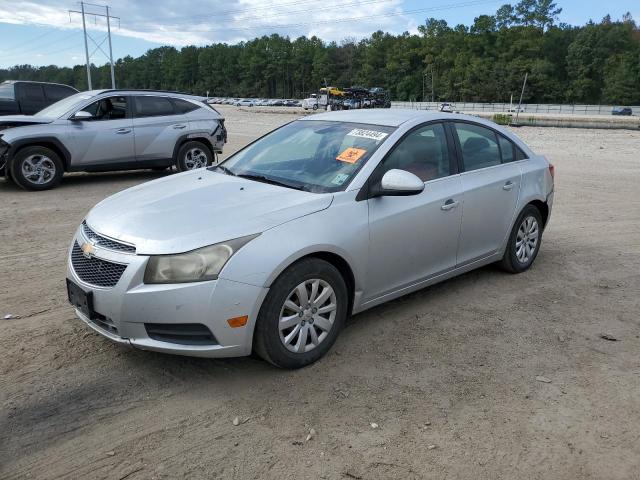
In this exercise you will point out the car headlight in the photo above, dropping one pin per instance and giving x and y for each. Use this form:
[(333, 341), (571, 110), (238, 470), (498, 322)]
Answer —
[(194, 266)]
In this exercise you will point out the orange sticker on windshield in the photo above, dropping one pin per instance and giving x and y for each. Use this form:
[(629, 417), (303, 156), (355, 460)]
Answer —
[(351, 155)]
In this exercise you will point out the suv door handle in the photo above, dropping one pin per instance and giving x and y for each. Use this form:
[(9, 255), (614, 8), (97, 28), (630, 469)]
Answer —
[(449, 204), (122, 131), (179, 127), (508, 186)]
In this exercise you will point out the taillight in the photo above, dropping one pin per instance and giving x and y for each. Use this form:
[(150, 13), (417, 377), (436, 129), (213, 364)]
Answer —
[(552, 170)]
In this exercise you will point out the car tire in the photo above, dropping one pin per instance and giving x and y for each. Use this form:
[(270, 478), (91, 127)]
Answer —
[(315, 107), (193, 155), (294, 338), (36, 168), (524, 241)]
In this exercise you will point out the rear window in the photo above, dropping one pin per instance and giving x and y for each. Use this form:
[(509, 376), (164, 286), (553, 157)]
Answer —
[(149, 106), (183, 106), (57, 92), (7, 91), (32, 91)]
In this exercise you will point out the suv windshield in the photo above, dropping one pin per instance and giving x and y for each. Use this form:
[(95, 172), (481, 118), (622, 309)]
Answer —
[(312, 155), (63, 106)]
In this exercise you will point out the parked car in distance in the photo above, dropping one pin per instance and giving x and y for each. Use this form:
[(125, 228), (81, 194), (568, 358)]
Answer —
[(516, 109), (626, 111), (351, 104), (245, 102), (19, 97), (446, 107), (107, 130), (272, 250)]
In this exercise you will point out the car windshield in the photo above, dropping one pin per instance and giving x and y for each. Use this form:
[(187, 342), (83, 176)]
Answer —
[(61, 107), (7, 91), (312, 155)]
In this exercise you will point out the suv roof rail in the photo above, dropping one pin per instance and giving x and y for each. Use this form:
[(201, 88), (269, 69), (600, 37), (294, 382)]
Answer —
[(149, 90)]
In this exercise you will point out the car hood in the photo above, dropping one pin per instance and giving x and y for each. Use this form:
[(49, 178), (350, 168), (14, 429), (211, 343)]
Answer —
[(199, 208), (20, 120)]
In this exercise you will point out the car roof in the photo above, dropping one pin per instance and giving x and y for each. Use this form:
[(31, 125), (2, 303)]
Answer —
[(388, 117), (151, 92), (12, 82)]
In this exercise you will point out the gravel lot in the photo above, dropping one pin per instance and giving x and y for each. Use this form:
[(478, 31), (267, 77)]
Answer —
[(448, 373)]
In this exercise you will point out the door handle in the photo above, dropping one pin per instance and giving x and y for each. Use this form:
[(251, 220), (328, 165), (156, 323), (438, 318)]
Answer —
[(449, 204), (508, 186), (179, 127), (122, 131)]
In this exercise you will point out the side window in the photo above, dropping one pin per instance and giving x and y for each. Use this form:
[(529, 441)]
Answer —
[(423, 152), (520, 155), (149, 106), (111, 108), (507, 149), (182, 106), (57, 92), (32, 92), (479, 146)]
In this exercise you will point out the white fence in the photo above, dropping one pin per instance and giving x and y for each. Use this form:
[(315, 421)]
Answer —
[(526, 108)]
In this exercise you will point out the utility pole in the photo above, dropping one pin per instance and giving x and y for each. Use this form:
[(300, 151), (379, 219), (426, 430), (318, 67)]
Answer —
[(86, 48), (87, 37), (524, 84), (433, 95)]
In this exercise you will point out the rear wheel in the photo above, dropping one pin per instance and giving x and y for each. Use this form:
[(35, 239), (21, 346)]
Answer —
[(524, 241), (36, 168), (302, 314), (193, 155)]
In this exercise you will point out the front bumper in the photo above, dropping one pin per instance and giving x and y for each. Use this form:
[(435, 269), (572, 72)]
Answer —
[(124, 312)]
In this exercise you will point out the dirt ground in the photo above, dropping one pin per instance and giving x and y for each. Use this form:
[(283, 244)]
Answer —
[(448, 373)]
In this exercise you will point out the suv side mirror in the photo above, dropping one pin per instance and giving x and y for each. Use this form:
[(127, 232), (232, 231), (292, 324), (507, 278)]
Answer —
[(81, 115), (398, 183)]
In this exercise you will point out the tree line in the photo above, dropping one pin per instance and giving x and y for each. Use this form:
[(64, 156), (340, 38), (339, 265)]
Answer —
[(484, 62)]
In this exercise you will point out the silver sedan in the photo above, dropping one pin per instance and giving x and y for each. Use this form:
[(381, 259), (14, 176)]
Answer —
[(327, 216)]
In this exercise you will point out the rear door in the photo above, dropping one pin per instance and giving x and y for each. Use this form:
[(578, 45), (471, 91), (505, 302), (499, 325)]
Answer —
[(158, 126), (30, 97), (106, 139), (491, 185)]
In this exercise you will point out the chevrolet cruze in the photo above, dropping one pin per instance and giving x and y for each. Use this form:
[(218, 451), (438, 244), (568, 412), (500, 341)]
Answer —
[(327, 216)]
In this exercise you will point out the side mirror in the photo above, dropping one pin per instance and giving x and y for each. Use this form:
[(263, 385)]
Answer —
[(399, 183), (81, 115)]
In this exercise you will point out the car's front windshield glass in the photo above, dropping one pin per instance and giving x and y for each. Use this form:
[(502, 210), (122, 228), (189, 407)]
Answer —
[(63, 106), (313, 155)]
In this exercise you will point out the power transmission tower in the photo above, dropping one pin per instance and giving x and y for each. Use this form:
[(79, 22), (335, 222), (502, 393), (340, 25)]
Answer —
[(106, 15)]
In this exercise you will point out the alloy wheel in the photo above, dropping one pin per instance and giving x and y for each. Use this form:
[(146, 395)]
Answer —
[(307, 316), (527, 239), (38, 169), (195, 158)]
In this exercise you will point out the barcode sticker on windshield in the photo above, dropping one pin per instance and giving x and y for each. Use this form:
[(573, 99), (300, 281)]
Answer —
[(370, 134)]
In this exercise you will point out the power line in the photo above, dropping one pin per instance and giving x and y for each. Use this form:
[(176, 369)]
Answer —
[(31, 40), (39, 47)]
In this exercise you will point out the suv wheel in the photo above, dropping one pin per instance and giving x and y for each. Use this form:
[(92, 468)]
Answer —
[(302, 314), (524, 241), (193, 155), (37, 168)]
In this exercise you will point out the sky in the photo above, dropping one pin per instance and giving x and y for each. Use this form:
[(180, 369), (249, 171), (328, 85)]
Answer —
[(46, 33)]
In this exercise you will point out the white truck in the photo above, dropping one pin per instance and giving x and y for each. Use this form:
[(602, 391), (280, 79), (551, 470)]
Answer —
[(314, 102)]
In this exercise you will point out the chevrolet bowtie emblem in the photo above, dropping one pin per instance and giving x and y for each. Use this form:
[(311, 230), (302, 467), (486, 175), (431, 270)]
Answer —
[(88, 249)]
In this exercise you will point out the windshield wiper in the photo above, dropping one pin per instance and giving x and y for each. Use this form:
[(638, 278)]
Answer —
[(225, 170), (263, 179)]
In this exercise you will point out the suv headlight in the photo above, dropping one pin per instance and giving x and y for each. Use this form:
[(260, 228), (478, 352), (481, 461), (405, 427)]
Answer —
[(194, 266)]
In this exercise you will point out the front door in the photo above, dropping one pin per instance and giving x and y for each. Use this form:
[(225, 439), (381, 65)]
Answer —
[(107, 138), (413, 238), (491, 187)]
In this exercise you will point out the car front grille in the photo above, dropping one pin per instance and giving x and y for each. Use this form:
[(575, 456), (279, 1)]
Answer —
[(105, 242), (95, 271)]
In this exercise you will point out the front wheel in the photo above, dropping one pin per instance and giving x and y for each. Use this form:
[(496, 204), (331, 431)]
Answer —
[(524, 241), (302, 314), (36, 168), (193, 155)]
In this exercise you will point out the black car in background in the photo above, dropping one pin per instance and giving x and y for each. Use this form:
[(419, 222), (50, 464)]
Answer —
[(622, 111), (18, 97)]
